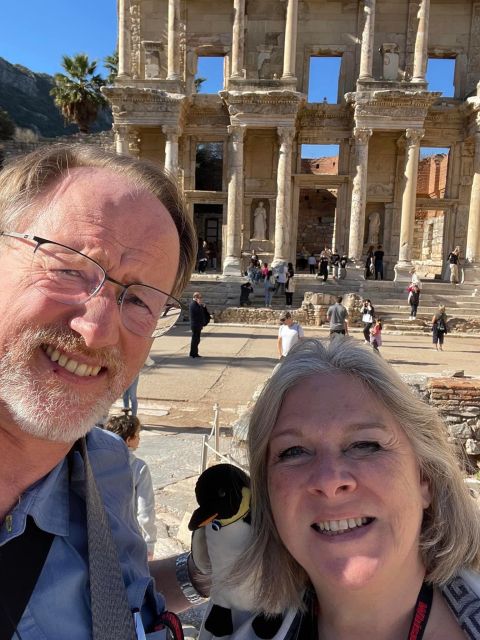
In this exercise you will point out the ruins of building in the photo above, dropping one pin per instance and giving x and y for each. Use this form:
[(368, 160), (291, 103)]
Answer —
[(237, 153)]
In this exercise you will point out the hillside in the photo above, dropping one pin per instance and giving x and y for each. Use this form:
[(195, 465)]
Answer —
[(25, 95)]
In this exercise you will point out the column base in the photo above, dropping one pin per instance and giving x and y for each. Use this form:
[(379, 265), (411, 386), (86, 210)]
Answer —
[(471, 272), (232, 266), (402, 272), (278, 261)]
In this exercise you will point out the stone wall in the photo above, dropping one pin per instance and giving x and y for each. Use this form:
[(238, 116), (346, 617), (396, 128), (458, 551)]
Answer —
[(458, 400)]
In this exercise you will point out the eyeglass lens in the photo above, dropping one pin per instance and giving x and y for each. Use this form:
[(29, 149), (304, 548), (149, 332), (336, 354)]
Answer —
[(69, 277)]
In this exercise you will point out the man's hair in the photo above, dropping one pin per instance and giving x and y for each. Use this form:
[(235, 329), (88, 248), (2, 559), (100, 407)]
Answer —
[(450, 533), (31, 177), (196, 295), (126, 426), (339, 299)]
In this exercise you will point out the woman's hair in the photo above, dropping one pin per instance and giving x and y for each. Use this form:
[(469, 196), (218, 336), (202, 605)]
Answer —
[(450, 536), (126, 426), (29, 178)]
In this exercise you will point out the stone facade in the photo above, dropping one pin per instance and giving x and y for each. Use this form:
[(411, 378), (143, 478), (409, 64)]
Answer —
[(384, 114)]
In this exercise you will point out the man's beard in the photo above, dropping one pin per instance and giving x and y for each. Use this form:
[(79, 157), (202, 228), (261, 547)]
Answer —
[(45, 406)]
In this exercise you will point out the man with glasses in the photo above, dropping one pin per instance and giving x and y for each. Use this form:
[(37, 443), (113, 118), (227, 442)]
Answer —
[(93, 250)]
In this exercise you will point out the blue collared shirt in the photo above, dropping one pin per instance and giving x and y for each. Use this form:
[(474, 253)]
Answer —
[(59, 607)]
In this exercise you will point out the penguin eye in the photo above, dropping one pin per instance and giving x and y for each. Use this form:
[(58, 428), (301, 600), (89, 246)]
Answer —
[(221, 493)]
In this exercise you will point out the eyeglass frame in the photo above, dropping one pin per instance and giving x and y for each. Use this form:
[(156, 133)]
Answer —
[(106, 278)]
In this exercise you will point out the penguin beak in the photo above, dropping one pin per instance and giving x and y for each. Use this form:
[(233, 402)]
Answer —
[(200, 518), (207, 521)]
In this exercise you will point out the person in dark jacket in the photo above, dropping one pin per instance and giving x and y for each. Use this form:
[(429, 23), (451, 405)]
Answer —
[(245, 290), (198, 313), (413, 300)]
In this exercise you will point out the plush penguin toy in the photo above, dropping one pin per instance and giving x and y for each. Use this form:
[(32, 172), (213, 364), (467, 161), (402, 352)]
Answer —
[(222, 524)]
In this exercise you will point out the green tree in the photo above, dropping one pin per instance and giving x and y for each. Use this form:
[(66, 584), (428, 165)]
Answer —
[(111, 64), (7, 126), (77, 93)]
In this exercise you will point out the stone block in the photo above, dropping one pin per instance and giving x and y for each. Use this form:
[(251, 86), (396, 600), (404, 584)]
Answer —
[(472, 447), (460, 431)]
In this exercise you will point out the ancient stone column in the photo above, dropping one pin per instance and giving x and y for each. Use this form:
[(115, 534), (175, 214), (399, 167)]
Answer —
[(282, 252), (121, 139), (238, 38), (359, 194), (173, 51), (289, 54), (171, 148), (124, 45), (232, 252), (409, 199), (366, 55), (421, 43), (472, 252)]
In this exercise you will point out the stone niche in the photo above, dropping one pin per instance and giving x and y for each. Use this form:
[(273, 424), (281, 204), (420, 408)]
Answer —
[(152, 55)]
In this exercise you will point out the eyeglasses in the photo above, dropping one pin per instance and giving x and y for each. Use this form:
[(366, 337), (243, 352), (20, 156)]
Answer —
[(70, 277)]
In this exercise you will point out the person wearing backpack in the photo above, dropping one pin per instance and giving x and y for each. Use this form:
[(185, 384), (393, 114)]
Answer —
[(289, 333), (439, 327)]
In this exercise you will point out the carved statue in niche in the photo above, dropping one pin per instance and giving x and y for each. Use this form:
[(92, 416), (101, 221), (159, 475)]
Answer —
[(260, 222), (373, 228)]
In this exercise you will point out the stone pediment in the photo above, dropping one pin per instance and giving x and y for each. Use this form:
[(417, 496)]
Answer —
[(145, 106), (263, 108), (391, 109)]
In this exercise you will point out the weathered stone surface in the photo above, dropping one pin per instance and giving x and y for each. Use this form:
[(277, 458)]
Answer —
[(460, 431), (472, 447)]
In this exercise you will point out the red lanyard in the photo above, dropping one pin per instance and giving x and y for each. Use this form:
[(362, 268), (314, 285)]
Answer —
[(422, 612)]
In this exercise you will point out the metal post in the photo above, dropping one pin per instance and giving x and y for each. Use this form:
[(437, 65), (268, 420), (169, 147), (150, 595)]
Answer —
[(216, 429), (203, 462)]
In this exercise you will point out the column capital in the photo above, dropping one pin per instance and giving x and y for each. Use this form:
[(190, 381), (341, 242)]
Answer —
[(368, 6), (414, 136), (171, 131), (362, 135), (236, 132), (286, 134)]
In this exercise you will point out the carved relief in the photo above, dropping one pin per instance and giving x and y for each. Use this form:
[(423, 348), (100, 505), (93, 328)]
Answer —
[(135, 34)]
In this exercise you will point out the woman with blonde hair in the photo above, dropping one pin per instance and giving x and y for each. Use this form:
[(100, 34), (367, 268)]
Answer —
[(362, 523)]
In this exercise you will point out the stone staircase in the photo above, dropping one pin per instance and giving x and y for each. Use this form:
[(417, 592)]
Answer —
[(389, 298)]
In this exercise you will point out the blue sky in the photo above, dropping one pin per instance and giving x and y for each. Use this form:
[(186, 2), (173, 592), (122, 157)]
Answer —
[(36, 33)]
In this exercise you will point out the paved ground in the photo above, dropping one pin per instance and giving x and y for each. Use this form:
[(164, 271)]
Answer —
[(178, 393)]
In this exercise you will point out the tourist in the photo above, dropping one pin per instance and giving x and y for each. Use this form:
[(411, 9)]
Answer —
[(368, 315), (342, 267), (413, 300), (453, 258), (199, 318), (73, 338), (439, 327), (376, 335), (269, 285), (370, 263), (335, 262), (289, 334), (358, 505), (130, 400), (281, 279), (312, 263), (264, 270), (323, 264), (289, 285), (202, 259), (378, 262), (245, 290), (337, 316), (128, 428)]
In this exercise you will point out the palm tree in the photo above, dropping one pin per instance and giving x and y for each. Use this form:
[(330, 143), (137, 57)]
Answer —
[(77, 94), (111, 65)]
